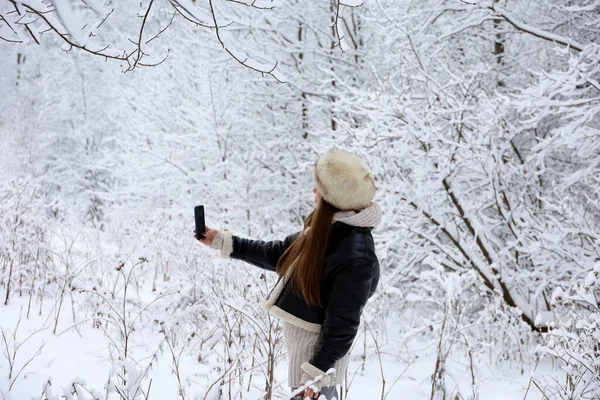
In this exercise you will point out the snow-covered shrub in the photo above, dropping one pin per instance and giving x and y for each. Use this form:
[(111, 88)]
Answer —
[(575, 338), (23, 230), (444, 290), (466, 324)]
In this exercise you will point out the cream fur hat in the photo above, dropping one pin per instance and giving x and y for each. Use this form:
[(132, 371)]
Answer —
[(344, 180)]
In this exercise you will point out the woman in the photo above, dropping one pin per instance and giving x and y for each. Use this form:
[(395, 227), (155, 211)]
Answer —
[(327, 272)]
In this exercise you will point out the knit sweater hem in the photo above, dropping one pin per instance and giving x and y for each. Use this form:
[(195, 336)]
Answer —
[(301, 345)]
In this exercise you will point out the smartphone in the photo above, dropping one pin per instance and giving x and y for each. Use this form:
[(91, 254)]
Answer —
[(199, 217)]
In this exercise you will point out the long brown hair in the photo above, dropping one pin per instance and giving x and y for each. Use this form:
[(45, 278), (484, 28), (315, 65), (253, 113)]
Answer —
[(304, 258)]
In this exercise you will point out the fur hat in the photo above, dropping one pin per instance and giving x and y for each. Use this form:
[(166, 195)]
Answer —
[(344, 180)]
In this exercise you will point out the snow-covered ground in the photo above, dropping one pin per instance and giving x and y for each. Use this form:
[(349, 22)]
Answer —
[(73, 342), (81, 359)]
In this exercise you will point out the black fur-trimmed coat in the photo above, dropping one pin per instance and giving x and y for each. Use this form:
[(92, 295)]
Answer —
[(350, 277)]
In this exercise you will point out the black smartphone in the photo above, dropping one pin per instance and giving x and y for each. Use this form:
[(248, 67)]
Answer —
[(199, 217)]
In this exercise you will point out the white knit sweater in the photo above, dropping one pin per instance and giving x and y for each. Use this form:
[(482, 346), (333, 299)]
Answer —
[(301, 337)]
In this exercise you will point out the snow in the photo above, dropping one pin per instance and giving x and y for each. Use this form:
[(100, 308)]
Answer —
[(590, 279), (544, 318), (351, 3), (69, 19), (98, 6), (81, 357), (198, 14), (557, 295)]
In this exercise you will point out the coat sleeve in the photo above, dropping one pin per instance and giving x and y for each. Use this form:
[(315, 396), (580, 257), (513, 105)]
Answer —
[(350, 292), (262, 254)]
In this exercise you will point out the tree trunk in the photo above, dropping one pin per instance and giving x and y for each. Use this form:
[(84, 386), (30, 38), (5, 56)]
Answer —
[(498, 49), (334, 40), (303, 95)]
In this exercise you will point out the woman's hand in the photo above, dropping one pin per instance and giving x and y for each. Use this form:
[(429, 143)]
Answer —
[(308, 393), (208, 236)]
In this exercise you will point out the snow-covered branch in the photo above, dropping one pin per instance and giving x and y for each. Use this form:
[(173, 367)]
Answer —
[(539, 33)]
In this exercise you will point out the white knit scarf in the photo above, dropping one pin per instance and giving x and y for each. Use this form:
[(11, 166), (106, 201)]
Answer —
[(369, 216)]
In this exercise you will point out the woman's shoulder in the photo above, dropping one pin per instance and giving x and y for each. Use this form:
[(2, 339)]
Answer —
[(348, 242), (343, 231)]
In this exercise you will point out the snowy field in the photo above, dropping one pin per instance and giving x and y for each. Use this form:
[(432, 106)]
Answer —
[(171, 354), (124, 318), (480, 121)]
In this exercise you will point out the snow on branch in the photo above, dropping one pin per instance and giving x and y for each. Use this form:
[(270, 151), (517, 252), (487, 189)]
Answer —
[(68, 20), (351, 3), (549, 36), (260, 4)]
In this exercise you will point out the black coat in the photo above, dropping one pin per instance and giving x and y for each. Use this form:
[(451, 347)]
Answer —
[(350, 276)]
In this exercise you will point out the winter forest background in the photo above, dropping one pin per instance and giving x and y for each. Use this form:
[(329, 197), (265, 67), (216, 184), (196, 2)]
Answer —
[(480, 121)]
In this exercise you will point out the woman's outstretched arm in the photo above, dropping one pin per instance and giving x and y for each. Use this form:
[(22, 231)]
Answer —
[(260, 253)]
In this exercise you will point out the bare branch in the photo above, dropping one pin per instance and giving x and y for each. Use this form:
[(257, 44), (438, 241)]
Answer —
[(26, 25), (162, 30), (188, 15), (10, 41), (236, 58), (69, 41), (157, 63), (140, 54), (253, 4), (104, 19), (336, 25), (7, 23)]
